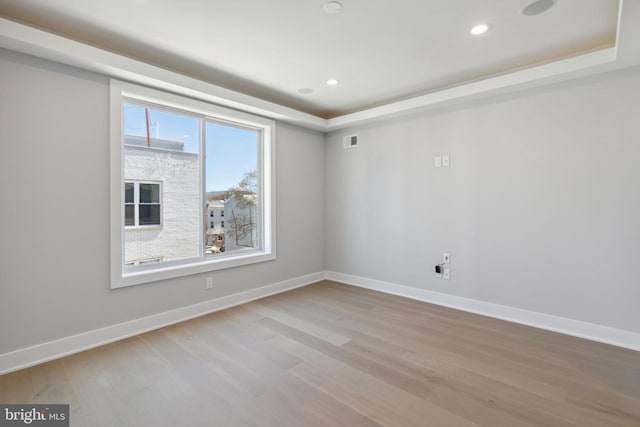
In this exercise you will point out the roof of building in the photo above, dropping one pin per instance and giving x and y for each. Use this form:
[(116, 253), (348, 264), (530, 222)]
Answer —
[(215, 204), (164, 144)]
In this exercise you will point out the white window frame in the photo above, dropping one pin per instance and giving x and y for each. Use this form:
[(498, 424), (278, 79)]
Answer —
[(266, 188), (136, 205)]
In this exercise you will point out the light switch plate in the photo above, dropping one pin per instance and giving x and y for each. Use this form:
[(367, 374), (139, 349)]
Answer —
[(445, 161), (437, 161)]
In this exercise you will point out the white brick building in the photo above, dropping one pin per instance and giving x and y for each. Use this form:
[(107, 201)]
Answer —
[(177, 235)]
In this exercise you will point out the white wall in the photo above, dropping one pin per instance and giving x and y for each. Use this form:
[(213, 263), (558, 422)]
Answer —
[(540, 208), (54, 265)]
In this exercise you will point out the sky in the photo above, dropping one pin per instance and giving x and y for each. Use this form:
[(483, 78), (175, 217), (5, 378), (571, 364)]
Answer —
[(230, 151)]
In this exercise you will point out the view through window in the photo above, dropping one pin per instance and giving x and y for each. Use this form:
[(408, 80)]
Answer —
[(191, 186)]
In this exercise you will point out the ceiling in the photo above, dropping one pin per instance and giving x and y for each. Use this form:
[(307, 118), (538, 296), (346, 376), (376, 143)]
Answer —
[(380, 51)]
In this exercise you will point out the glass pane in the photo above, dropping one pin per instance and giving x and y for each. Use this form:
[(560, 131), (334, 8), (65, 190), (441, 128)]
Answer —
[(232, 187), (128, 192), (149, 193), (173, 200), (129, 215), (149, 215)]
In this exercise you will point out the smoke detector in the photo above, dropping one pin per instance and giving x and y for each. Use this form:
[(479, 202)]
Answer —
[(333, 7)]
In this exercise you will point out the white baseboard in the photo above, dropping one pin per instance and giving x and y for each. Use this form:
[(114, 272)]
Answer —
[(40, 353), (590, 331)]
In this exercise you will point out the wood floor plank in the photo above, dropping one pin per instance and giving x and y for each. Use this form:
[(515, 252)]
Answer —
[(365, 392), (329, 354), (310, 328)]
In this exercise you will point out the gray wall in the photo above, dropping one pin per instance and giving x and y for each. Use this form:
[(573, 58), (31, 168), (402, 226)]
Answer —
[(540, 208), (54, 225)]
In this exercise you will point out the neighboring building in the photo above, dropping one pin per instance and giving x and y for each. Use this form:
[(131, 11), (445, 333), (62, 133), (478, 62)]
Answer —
[(215, 224), (231, 225), (162, 200)]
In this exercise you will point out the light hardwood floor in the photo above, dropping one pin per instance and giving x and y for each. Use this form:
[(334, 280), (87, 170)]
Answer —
[(335, 355)]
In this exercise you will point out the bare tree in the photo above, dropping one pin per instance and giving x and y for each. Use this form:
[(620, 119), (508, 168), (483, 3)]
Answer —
[(242, 222)]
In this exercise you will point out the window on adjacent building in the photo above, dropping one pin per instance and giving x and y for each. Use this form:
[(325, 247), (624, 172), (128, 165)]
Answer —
[(172, 159), (142, 204), (129, 204)]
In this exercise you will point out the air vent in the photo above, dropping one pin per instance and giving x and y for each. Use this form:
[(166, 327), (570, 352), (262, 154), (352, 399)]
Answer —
[(350, 141)]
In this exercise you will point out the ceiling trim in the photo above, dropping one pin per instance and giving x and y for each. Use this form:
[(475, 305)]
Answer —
[(513, 81), (25, 39)]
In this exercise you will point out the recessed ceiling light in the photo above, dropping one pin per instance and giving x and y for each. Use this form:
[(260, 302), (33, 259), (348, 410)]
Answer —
[(333, 7), (332, 82), (305, 90), (480, 29), (538, 7)]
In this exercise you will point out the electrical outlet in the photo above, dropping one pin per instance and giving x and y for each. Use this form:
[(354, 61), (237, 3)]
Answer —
[(446, 258), (447, 274), (209, 283)]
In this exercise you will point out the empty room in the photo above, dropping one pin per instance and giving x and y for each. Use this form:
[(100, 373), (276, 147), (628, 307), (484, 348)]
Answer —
[(358, 213)]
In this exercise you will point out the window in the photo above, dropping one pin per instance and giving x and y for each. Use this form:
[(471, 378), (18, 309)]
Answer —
[(176, 161), (141, 204)]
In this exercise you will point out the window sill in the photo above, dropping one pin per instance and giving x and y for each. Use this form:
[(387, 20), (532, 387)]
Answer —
[(142, 227), (170, 270)]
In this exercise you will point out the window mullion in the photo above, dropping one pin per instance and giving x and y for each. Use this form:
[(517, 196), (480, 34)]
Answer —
[(136, 203), (203, 187)]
